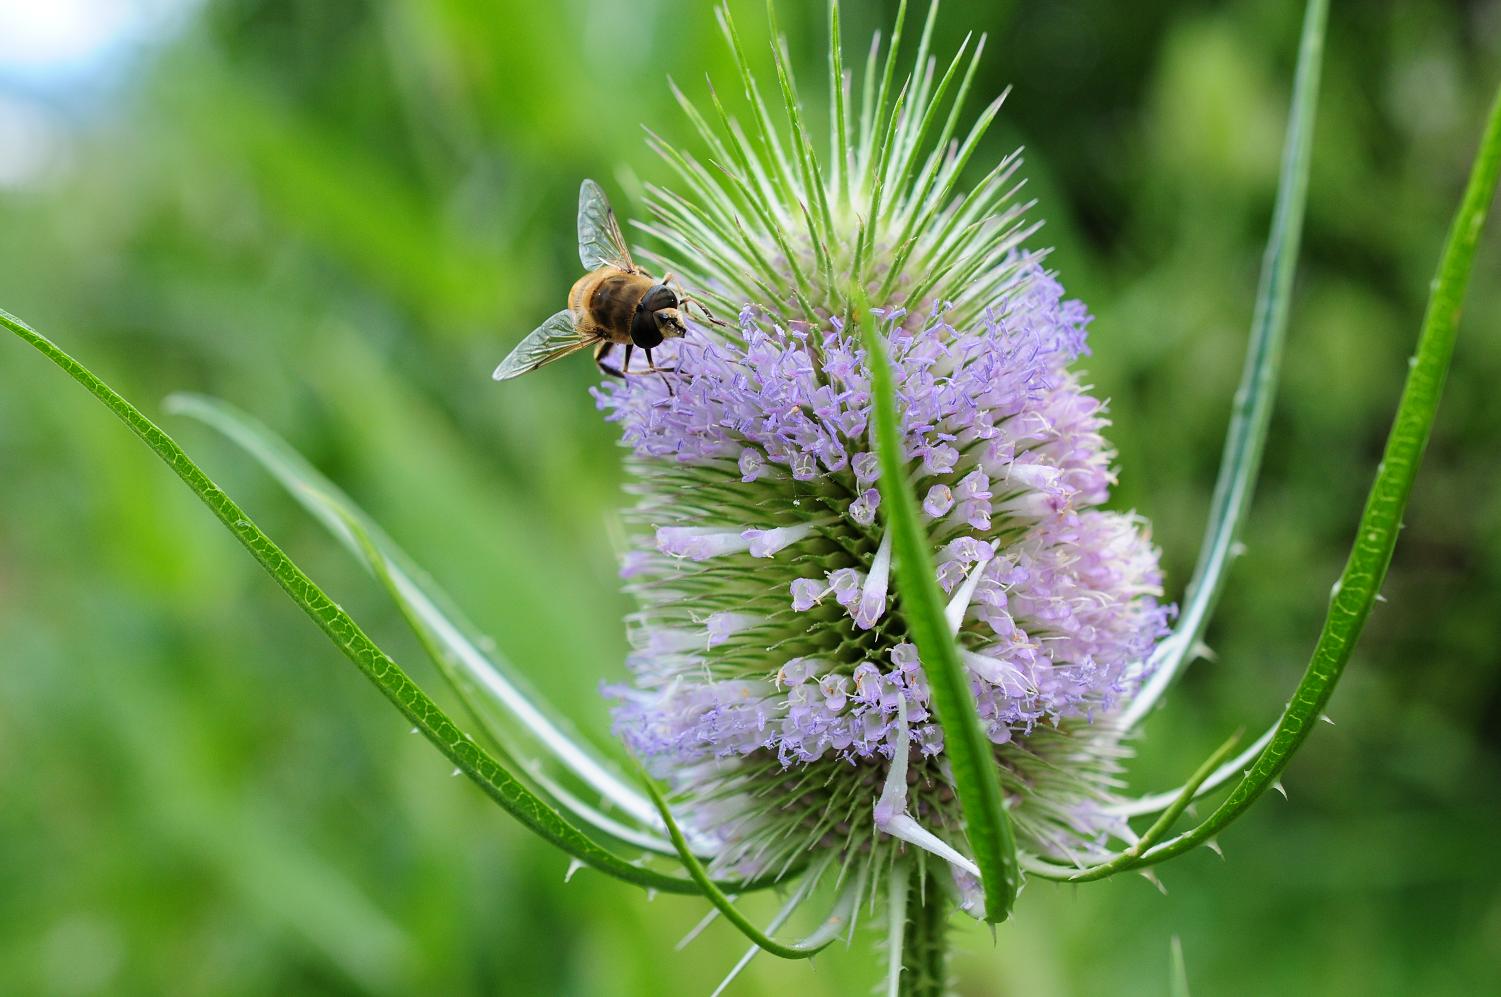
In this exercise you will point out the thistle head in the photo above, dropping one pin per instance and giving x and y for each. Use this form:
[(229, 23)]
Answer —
[(774, 680)]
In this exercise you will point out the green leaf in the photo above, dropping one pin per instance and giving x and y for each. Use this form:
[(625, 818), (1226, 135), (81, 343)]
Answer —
[(492, 690), (512, 795), (1245, 440), (1376, 536), (969, 751)]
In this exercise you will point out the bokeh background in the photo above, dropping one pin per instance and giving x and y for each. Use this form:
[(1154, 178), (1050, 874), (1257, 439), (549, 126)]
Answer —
[(339, 215)]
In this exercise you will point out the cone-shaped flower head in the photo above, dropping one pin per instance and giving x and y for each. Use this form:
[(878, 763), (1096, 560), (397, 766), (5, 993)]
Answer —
[(774, 681)]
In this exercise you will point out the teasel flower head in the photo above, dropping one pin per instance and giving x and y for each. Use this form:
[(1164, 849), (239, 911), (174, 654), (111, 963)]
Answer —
[(774, 682), (886, 627)]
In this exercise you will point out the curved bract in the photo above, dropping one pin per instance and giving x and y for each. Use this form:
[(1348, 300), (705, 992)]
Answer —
[(969, 750), (1246, 438), (414, 704), (815, 943), (492, 690), (1359, 585)]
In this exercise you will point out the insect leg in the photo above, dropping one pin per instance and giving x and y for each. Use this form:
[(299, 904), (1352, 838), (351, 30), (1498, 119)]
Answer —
[(651, 366), (685, 299), (704, 308), (601, 351)]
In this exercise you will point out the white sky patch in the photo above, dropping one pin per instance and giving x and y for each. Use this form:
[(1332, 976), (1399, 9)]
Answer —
[(47, 42), (61, 36), (58, 59)]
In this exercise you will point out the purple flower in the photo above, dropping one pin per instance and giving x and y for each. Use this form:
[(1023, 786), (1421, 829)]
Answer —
[(763, 537)]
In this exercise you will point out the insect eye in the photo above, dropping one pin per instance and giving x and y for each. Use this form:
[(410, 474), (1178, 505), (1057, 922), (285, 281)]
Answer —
[(659, 297)]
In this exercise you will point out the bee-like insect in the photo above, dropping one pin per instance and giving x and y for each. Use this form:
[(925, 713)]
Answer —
[(614, 304)]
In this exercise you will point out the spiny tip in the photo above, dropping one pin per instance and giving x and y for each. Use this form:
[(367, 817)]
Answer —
[(1151, 877)]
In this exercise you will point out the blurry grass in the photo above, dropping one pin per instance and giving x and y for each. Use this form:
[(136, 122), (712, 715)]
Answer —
[(319, 210)]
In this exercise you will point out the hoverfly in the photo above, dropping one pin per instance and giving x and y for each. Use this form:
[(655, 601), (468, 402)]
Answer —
[(614, 304)]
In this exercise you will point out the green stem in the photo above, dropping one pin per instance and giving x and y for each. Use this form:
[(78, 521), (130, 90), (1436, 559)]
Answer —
[(925, 943)]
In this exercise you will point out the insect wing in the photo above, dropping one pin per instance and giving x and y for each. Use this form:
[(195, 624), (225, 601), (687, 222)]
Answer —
[(600, 241), (553, 340)]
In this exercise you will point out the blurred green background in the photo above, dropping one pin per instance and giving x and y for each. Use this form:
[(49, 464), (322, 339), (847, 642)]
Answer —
[(339, 215)]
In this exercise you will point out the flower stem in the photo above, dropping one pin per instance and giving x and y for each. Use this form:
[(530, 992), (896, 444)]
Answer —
[(925, 944)]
